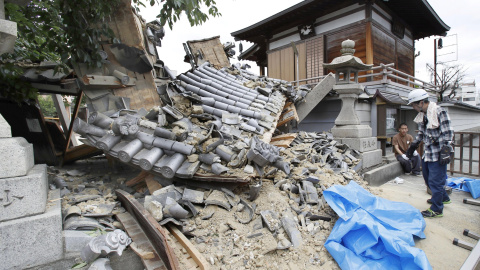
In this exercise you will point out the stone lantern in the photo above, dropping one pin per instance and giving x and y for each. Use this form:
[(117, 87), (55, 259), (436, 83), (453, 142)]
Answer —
[(348, 90), (347, 127)]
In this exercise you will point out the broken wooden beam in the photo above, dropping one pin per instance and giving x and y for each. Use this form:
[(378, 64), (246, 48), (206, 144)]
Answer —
[(154, 231)]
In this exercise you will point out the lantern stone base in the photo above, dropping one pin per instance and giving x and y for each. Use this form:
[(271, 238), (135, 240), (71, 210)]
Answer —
[(360, 144), (352, 131)]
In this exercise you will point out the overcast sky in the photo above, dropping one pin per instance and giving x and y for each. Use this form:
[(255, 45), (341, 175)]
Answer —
[(461, 16)]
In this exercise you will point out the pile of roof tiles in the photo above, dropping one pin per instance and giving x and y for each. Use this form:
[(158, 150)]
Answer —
[(210, 121)]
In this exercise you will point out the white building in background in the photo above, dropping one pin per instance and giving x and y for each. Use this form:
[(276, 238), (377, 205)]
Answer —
[(468, 94)]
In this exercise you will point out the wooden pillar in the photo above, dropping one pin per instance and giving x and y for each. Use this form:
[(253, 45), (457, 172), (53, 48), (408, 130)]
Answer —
[(369, 44)]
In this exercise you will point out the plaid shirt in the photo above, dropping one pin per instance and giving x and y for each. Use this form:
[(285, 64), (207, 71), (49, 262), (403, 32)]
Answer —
[(435, 139)]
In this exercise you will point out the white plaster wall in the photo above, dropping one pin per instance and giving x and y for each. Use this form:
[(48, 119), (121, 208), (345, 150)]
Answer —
[(338, 12), (381, 20), (354, 17), (462, 119), (291, 30), (284, 41)]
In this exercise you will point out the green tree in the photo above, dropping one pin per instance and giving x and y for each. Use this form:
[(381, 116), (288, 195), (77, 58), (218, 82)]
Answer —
[(71, 31), (47, 106)]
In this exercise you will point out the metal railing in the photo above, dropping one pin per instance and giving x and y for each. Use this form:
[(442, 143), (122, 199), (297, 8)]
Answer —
[(466, 159), (385, 73)]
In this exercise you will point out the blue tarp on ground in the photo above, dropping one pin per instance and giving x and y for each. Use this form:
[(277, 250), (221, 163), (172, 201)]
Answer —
[(372, 232), (465, 184)]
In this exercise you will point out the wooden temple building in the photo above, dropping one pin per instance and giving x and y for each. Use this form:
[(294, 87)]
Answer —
[(293, 44)]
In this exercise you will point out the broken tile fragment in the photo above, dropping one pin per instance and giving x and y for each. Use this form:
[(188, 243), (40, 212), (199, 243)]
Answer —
[(218, 198)]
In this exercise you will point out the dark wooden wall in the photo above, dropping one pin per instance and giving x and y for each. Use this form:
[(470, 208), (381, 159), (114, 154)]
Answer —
[(383, 47), (388, 48), (334, 41)]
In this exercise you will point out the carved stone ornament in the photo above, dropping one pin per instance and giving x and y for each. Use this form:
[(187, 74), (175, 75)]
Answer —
[(103, 245)]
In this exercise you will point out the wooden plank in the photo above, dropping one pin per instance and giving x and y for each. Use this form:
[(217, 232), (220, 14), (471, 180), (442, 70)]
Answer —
[(287, 67), (274, 65), (139, 178), (191, 249), (156, 233), (80, 152), (302, 61), (369, 41), (282, 143), (289, 115), (285, 137), (152, 185), (140, 245), (70, 128), (62, 112)]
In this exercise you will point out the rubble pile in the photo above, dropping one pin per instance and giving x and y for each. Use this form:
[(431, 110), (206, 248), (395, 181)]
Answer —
[(284, 225), (88, 201), (215, 126)]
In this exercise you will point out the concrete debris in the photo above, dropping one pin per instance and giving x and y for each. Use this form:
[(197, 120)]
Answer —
[(155, 208)]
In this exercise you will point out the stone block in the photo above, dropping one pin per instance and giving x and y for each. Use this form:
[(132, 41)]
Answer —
[(24, 195), (360, 144), (75, 240), (34, 240), (383, 174), (352, 131), (17, 157), (371, 158), (351, 88), (8, 35), (5, 129), (315, 96)]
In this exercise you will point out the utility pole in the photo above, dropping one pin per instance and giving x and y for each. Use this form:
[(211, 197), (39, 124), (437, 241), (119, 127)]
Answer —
[(435, 60)]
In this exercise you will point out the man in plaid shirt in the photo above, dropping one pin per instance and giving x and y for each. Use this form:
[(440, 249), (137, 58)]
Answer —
[(435, 131)]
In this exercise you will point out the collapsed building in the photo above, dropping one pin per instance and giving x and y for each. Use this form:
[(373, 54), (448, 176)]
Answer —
[(205, 136)]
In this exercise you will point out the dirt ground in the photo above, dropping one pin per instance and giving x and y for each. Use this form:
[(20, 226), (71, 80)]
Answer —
[(440, 232)]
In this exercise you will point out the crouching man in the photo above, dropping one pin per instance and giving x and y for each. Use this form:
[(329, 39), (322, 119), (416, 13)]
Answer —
[(401, 142), (435, 131)]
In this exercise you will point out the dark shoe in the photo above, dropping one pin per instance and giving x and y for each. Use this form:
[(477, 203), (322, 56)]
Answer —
[(417, 173), (444, 202), (429, 213)]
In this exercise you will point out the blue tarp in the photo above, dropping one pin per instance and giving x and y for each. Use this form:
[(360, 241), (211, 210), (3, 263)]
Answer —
[(372, 232), (465, 184)]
